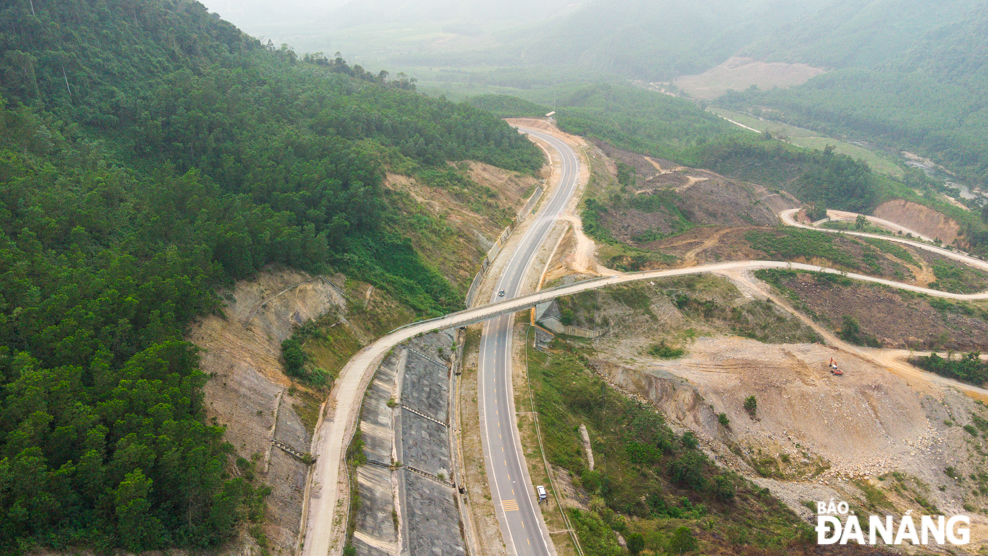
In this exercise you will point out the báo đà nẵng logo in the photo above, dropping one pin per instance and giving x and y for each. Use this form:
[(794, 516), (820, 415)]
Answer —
[(836, 524)]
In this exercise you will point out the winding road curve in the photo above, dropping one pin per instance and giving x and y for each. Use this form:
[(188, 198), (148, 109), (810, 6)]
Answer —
[(324, 528), (522, 526), (788, 218)]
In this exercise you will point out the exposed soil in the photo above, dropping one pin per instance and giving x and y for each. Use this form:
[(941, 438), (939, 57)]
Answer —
[(645, 167), (706, 244), (820, 436), (248, 390), (705, 198), (897, 320), (815, 436), (740, 73), (922, 219), (474, 216)]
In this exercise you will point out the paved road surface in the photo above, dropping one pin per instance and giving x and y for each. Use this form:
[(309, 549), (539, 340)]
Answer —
[(522, 527), (322, 532)]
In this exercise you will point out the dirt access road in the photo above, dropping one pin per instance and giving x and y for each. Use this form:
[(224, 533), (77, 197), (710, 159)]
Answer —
[(788, 218), (323, 525), (324, 534)]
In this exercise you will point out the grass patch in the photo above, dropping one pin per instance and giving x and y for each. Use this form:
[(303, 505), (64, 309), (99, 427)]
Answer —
[(874, 497), (795, 243), (308, 409)]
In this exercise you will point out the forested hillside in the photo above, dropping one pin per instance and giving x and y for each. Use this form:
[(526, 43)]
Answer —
[(931, 99), (858, 33), (658, 40), (150, 152), (627, 117)]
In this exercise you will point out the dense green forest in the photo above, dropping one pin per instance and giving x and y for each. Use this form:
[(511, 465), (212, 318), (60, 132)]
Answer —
[(969, 368), (820, 177), (150, 153), (627, 117), (931, 99)]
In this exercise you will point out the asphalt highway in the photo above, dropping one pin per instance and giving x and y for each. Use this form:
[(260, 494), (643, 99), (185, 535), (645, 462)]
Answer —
[(511, 488), (512, 491)]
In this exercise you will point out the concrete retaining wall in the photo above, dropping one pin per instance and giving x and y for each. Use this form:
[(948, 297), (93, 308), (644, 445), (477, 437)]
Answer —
[(496, 248), (527, 209)]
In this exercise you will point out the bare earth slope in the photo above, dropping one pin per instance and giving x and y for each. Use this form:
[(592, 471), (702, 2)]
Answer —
[(924, 220), (249, 394)]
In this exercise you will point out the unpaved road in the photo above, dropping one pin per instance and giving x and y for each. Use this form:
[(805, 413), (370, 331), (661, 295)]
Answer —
[(789, 220), (324, 532)]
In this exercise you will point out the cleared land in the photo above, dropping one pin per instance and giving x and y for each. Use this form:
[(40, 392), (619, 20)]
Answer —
[(739, 73), (886, 437), (895, 319)]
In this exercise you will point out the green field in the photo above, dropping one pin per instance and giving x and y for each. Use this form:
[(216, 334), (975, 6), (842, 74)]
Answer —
[(879, 162)]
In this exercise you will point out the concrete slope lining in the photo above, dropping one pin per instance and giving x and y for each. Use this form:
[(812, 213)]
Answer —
[(323, 533)]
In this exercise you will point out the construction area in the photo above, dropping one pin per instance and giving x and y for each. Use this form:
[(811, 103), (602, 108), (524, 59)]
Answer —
[(406, 488)]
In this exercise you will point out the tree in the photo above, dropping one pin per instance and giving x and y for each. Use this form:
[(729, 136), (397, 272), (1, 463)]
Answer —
[(723, 420), (636, 543), (850, 330), (751, 406), (687, 471), (137, 529), (294, 356), (724, 488), (682, 541)]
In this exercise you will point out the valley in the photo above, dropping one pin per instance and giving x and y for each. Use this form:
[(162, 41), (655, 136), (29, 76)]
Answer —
[(547, 278), (792, 454)]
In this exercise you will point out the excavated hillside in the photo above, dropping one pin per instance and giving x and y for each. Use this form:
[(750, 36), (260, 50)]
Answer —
[(922, 219), (885, 436), (269, 417), (884, 441), (701, 197)]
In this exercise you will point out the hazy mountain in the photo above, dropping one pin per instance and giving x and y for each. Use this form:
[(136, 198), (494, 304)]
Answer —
[(860, 33), (472, 12), (650, 39)]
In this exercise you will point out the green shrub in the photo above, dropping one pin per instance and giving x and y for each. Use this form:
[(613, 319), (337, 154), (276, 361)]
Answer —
[(689, 440), (665, 351), (723, 419), (751, 406), (682, 541), (687, 471), (636, 543)]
